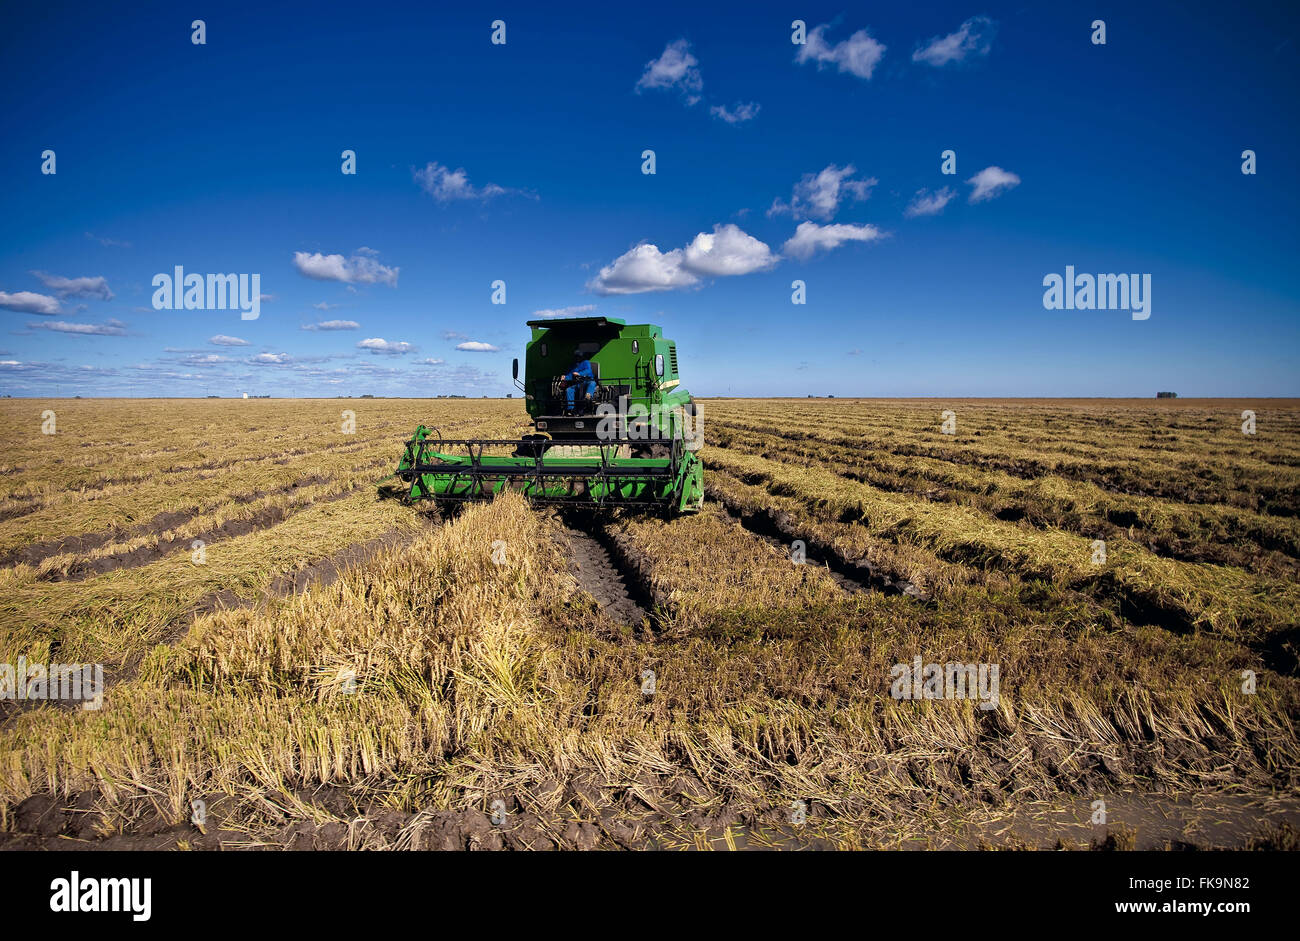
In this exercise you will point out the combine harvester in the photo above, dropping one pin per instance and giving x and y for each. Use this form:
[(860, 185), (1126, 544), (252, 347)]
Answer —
[(629, 439)]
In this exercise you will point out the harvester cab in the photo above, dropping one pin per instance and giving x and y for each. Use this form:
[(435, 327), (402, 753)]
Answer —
[(612, 426)]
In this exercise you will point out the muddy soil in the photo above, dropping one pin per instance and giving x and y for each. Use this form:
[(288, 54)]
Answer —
[(319, 574), (853, 575), (587, 813), (1265, 499), (164, 522), (604, 575)]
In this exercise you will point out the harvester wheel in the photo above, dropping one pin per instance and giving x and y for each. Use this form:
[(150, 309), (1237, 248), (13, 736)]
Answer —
[(656, 449), (531, 445)]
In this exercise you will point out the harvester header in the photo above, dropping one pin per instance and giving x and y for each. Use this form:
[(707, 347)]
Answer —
[(612, 426)]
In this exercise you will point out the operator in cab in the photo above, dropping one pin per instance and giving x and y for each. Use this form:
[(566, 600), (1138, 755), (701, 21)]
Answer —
[(579, 386)]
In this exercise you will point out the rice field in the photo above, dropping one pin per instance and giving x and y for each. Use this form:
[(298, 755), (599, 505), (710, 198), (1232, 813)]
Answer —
[(293, 657)]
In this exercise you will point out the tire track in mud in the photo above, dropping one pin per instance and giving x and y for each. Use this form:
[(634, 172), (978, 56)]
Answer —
[(265, 518), (162, 523), (610, 571), (780, 530), (376, 439), (319, 574), (104, 481), (38, 552), (1114, 522), (1271, 500), (94, 490), (577, 813), (27, 504), (1278, 648)]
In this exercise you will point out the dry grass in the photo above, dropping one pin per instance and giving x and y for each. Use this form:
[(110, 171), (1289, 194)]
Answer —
[(429, 681)]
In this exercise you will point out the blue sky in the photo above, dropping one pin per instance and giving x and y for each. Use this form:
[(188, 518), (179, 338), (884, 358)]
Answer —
[(775, 162)]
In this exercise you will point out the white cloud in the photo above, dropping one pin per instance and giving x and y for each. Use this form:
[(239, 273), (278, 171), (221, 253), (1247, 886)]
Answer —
[(818, 195), (643, 268), (446, 185), (107, 242), (675, 68), (271, 359), (739, 114), (574, 311), (991, 182), (359, 269), (390, 347), (76, 287), (973, 38), (926, 203), (113, 328), (27, 302), (810, 238), (474, 346), (332, 325), (431, 362), (323, 305), (858, 55), (726, 251), (205, 359), (222, 340)]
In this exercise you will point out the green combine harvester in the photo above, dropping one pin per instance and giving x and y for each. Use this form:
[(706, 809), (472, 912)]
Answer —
[(612, 427)]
